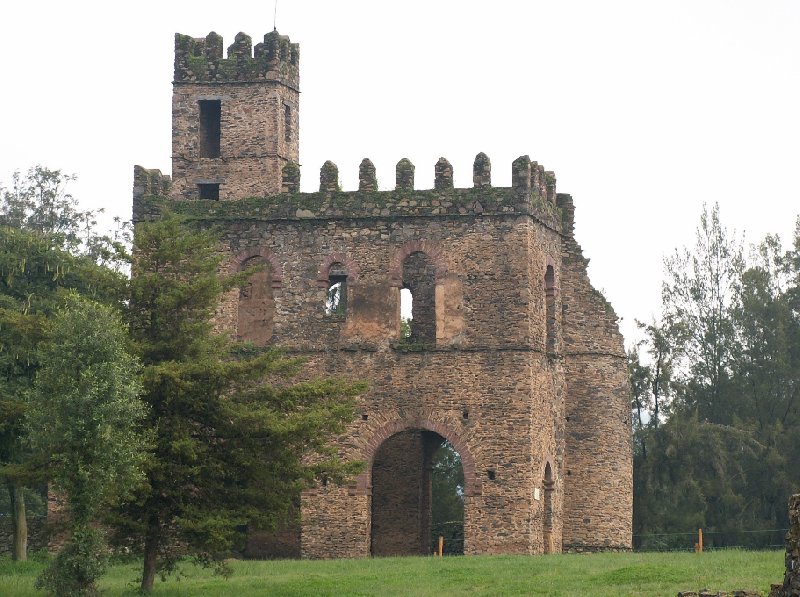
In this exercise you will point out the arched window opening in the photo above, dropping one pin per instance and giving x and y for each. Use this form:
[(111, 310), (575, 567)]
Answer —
[(256, 304), (550, 308), (417, 495), (336, 297), (419, 279), (547, 524)]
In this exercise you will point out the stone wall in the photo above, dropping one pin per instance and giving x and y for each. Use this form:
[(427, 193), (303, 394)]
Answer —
[(479, 371), (283, 542), (37, 534), (259, 114), (513, 357), (598, 480), (791, 578), (401, 481)]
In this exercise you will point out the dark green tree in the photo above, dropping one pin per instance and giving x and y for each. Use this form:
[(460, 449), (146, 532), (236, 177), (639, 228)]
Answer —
[(83, 421), (722, 456), (235, 440), (45, 246), (702, 287)]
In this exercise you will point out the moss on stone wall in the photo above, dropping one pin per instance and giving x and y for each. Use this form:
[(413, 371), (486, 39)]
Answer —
[(360, 204)]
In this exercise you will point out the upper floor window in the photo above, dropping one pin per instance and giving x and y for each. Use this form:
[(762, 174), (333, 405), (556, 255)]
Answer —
[(336, 297), (208, 191), (210, 128), (419, 279)]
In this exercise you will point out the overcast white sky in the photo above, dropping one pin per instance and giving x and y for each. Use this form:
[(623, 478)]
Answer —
[(644, 109)]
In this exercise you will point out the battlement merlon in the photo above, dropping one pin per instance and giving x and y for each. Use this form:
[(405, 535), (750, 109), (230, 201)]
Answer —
[(532, 193), (148, 184), (200, 60)]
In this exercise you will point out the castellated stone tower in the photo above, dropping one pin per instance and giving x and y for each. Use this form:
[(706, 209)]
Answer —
[(235, 119), (513, 357)]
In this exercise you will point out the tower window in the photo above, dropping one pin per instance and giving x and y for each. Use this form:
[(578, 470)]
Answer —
[(287, 122), (550, 308), (209, 191), (210, 128)]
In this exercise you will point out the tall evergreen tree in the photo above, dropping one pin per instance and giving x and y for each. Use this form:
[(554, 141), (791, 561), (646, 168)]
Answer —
[(235, 440), (702, 287), (726, 448)]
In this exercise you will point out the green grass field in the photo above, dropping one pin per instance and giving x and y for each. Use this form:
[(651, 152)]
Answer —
[(611, 575)]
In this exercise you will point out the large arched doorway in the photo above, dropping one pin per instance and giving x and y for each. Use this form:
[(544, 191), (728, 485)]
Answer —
[(417, 483)]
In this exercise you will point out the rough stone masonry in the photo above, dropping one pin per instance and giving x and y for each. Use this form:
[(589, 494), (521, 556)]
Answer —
[(513, 357), (790, 587)]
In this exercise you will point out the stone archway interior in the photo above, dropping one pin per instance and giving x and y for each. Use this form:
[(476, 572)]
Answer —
[(402, 493)]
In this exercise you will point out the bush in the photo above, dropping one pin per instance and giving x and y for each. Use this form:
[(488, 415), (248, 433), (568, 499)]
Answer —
[(76, 568)]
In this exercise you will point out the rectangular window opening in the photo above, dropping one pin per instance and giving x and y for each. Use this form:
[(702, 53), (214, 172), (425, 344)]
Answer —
[(287, 122), (210, 128), (336, 299), (209, 191)]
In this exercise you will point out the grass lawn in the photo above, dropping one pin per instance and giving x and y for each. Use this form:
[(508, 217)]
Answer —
[(611, 575)]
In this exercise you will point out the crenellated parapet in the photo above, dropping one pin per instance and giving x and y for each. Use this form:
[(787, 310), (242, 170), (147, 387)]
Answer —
[(290, 178), (532, 193), (200, 59), (146, 185), (150, 182)]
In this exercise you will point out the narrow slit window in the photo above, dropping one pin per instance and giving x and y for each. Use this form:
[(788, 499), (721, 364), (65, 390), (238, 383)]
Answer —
[(287, 122), (209, 191), (406, 311), (210, 128), (550, 307)]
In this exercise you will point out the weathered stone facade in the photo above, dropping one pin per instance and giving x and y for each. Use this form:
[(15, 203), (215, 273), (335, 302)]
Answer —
[(790, 587), (513, 357), (258, 129), (37, 534)]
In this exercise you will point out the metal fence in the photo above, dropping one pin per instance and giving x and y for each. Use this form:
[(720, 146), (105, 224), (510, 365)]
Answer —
[(711, 540)]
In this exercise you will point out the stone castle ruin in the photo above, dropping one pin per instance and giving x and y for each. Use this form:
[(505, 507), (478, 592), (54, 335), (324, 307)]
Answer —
[(513, 357)]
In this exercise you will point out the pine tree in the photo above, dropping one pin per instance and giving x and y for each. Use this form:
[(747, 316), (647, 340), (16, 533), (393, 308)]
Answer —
[(235, 441)]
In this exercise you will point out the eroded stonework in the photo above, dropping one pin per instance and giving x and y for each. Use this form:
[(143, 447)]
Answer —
[(513, 357)]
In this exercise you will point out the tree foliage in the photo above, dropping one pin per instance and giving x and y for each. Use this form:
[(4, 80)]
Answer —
[(447, 498), (40, 202), (235, 440), (83, 421), (47, 245), (716, 395)]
